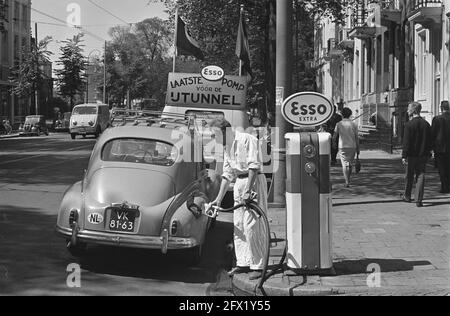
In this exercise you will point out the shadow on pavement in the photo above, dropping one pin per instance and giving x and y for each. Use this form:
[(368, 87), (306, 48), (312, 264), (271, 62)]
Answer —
[(349, 267), (426, 204)]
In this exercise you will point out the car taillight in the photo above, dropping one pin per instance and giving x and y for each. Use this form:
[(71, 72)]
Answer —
[(73, 217), (174, 228)]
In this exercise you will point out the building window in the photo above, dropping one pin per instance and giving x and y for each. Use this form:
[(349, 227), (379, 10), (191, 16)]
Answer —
[(24, 18), (4, 48), (16, 15), (421, 64)]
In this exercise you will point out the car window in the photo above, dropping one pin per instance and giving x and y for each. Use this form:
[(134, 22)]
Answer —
[(204, 118), (32, 120), (144, 151), (85, 110)]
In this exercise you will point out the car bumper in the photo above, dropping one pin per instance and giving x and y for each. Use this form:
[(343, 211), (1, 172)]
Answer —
[(25, 133), (127, 241), (83, 130)]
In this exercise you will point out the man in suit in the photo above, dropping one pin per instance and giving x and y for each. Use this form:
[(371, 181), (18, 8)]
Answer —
[(440, 131), (417, 145)]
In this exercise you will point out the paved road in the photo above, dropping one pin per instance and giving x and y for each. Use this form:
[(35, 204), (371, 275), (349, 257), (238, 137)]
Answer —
[(34, 173)]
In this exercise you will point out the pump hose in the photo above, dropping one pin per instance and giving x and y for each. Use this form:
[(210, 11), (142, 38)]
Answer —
[(264, 276)]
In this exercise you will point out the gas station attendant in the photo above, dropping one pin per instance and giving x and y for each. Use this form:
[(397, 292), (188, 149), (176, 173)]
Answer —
[(242, 164)]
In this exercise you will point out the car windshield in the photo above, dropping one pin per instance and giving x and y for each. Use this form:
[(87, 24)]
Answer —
[(85, 110), (144, 151)]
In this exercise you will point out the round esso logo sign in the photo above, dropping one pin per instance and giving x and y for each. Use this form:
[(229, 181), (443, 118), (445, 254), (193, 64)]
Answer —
[(213, 73), (307, 109)]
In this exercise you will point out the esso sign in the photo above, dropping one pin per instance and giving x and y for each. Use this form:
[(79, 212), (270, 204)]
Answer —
[(213, 73), (307, 109)]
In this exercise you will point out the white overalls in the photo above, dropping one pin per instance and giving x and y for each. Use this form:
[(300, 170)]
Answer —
[(249, 232)]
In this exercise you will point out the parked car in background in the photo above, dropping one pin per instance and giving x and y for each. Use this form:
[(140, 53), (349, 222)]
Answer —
[(35, 125), (63, 123), (142, 189), (89, 119)]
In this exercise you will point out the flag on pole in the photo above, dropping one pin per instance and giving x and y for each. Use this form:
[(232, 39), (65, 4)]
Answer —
[(242, 46), (185, 44)]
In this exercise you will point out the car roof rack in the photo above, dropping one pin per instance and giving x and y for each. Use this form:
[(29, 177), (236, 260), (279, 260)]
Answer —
[(125, 117)]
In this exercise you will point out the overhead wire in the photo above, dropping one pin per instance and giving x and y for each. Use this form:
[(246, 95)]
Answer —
[(109, 12), (74, 26)]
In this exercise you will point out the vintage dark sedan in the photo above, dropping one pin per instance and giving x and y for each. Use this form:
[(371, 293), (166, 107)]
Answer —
[(142, 189), (35, 125), (63, 123)]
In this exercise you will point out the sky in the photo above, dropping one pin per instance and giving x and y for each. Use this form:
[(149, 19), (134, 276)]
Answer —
[(92, 18)]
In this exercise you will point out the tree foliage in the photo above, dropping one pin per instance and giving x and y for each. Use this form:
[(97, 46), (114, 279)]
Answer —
[(214, 23), (138, 60), (28, 75), (71, 79)]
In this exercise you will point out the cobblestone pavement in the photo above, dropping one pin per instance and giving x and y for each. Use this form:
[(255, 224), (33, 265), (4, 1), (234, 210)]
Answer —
[(371, 226)]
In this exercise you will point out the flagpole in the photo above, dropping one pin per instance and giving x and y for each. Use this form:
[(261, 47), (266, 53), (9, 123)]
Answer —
[(175, 51), (240, 60)]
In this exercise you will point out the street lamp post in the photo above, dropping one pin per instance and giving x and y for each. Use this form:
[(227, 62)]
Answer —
[(87, 73)]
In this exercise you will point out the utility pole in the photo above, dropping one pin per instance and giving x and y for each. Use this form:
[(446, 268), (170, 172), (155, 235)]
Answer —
[(104, 76), (36, 86), (283, 90)]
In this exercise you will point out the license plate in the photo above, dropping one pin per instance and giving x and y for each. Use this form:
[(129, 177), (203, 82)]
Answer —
[(122, 221)]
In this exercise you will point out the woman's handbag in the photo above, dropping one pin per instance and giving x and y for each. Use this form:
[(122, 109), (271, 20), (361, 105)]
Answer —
[(358, 166)]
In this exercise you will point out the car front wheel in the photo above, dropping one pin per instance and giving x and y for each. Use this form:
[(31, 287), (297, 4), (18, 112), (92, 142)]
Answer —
[(73, 136)]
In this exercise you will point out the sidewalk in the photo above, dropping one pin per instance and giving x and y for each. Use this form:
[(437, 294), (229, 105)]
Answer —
[(371, 226), (13, 135)]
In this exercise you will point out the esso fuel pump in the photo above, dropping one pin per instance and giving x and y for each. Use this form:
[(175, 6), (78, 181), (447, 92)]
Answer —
[(308, 189)]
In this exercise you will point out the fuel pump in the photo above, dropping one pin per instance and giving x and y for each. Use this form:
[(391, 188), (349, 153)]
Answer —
[(308, 201), (308, 189)]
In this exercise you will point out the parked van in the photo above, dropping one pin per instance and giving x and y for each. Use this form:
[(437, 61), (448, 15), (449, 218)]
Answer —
[(89, 119)]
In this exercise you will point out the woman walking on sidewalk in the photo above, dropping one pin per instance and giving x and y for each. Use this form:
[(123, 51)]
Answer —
[(346, 135)]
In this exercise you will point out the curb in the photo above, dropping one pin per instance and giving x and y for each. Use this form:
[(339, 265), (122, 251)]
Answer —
[(9, 136), (242, 286)]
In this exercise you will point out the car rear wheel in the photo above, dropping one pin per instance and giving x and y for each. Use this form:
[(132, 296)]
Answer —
[(195, 255), (79, 250)]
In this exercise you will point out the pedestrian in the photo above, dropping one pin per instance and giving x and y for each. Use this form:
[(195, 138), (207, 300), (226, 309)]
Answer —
[(440, 131), (417, 147), (330, 127), (242, 164), (347, 140)]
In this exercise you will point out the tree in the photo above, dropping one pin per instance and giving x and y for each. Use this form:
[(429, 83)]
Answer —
[(215, 25), (3, 15), (138, 60), (28, 76), (71, 79)]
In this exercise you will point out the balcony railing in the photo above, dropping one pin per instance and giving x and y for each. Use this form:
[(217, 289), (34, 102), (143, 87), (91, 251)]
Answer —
[(360, 15), (427, 3), (384, 4)]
